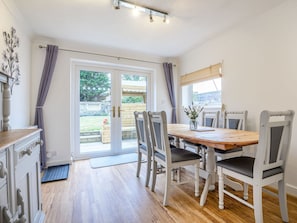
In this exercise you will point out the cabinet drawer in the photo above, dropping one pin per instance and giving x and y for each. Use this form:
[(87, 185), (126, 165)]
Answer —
[(27, 148), (3, 167)]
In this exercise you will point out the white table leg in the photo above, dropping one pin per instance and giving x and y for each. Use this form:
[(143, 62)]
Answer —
[(234, 185), (210, 167)]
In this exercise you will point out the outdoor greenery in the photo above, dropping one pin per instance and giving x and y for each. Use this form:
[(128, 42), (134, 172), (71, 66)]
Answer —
[(132, 99), (94, 86), (92, 123)]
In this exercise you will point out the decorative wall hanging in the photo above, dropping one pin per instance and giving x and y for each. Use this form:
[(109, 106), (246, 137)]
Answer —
[(10, 64)]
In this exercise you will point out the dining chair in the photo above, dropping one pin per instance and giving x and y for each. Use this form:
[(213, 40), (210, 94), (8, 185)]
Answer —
[(169, 157), (232, 120), (209, 119), (143, 143), (268, 166)]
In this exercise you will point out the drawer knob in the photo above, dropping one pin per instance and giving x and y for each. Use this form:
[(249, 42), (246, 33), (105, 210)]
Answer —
[(40, 142), (3, 170), (26, 151)]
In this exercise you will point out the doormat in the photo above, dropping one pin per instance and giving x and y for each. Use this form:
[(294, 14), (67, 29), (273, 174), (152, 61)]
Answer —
[(113, 160), (55, 173)]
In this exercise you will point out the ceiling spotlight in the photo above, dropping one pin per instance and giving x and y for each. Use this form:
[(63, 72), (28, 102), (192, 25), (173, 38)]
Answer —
[(151, 17), (117, 4)]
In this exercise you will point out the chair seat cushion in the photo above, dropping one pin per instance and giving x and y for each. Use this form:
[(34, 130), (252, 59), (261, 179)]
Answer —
[(144, 147), (245, 165), (179, 155)]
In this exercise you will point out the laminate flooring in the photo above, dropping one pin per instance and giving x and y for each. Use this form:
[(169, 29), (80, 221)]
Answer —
[(115, 195)]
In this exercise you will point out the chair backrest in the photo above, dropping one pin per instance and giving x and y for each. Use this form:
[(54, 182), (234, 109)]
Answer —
[(274, 142), (235, 120), (142, 132), (159, 134), (210, 118)]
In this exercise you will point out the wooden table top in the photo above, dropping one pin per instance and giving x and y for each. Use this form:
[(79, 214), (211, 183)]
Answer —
[(214, 137)]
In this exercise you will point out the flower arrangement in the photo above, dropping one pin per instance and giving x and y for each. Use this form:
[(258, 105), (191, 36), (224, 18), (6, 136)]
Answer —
[(193, 111)]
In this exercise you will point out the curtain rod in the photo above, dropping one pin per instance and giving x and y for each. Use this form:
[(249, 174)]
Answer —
[(105, 55)]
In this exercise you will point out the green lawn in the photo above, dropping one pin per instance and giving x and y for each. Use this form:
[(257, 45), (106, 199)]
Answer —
[(91, 123)]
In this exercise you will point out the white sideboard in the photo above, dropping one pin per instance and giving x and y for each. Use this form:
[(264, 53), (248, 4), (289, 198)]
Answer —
[(20, 187)]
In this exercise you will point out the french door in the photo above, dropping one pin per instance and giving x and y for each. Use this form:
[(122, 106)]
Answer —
[(105, 111)]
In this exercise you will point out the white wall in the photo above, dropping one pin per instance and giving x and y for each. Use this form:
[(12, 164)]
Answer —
[(57, 108), (20, 100), (259, 68)]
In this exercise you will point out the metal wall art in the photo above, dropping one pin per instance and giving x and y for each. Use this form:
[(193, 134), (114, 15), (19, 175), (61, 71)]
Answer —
[(10, 64)]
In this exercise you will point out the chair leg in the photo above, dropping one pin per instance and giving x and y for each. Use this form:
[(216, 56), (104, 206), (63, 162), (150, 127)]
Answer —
[(245, 191), (178, 179), (283, 200), (257, 197), (197, 166), (167, 186), (138, 164), (154, 175), (203, 158), (148, 171), (221, 187)]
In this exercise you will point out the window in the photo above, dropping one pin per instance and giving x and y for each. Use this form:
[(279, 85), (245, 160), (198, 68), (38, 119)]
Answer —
[(207, 92), (202, 86)]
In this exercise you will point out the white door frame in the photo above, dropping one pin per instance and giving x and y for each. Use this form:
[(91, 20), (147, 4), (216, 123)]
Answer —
[(115, 70)]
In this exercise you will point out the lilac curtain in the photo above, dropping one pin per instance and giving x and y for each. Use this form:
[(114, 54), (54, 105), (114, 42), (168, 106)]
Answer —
[(47, 73), (170, 86)]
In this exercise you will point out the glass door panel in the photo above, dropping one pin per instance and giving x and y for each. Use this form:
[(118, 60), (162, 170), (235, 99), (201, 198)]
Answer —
[(95, 104), (134, 97)]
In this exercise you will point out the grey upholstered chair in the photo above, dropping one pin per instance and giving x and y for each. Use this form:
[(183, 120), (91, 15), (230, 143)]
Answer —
[(268, 166), (169, 157), (143, 142), (232, 120)]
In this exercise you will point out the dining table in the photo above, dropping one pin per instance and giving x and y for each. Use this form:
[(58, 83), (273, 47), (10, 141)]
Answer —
[(213, 138)]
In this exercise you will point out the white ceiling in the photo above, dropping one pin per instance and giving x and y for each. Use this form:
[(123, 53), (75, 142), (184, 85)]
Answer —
[(96, 22)]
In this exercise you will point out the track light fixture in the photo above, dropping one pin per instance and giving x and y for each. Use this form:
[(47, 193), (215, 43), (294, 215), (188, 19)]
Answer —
[(117, 4), (151, 17)]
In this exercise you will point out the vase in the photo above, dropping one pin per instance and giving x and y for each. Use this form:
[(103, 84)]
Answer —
[(193, 124)]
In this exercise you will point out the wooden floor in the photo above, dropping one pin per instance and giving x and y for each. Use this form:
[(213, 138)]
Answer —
[(116, 195)]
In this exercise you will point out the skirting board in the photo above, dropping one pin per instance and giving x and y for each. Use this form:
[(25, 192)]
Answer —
[(291, 189)]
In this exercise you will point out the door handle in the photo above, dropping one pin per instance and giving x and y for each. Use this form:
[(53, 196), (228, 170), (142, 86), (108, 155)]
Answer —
[(113, 111), (119, 111), (21, 204)]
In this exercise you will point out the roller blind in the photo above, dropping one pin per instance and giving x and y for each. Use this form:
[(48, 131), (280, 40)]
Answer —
[(207, 73)]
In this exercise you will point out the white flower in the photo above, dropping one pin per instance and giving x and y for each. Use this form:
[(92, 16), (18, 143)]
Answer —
[(193, 111)]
